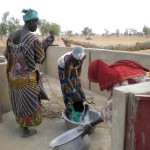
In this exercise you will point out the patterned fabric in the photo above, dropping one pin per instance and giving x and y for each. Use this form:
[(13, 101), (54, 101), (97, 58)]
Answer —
[(66, 91), (30, 120), (22, 66)]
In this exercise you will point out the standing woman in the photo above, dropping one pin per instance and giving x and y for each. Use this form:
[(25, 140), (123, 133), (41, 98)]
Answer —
[(24, 51), (69, 70)]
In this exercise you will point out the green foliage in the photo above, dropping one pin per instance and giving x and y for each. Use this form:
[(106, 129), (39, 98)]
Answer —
[(13, 24), (5, 16), (45, 27), (86, 31), (146, 31), (55, 28), (3, 29), (8, 25)]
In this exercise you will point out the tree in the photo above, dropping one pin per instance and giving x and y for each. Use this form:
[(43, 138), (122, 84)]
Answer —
[(106, 32), (87, 31), (12, 25), (46, 27), (55, 28), (3, 30), (117, 32), (3, 24), (8, 25), (146, 31), (126, 33), (69, 33)]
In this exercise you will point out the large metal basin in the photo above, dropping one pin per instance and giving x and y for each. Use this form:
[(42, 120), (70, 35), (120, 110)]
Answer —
[(73, 139), (93, 115)]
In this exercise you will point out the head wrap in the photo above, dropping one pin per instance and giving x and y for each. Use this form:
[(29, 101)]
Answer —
[(30, 14), (78, 52)]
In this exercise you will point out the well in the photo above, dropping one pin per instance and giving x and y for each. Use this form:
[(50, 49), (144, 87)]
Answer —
[(5, 104)]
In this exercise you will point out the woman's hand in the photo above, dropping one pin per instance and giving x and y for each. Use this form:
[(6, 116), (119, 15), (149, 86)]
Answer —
[(76, 97)]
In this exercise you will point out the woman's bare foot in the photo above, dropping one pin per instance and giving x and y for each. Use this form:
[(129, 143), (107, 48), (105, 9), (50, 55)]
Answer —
[(27, 132)]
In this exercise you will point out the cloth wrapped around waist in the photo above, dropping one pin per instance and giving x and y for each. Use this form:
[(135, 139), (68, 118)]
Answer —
[(22, 81)]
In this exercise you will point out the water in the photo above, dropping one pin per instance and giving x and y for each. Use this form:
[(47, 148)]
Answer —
[(86, 118)]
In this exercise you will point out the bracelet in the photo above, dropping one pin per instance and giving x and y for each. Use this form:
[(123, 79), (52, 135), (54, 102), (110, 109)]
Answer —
[(74, 91)]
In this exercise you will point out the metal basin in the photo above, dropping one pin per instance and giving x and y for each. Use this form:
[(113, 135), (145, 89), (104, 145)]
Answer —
[(73, 139), (92, 115)]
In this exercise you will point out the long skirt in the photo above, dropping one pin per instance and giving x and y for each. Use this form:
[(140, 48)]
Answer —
[(30, 120)]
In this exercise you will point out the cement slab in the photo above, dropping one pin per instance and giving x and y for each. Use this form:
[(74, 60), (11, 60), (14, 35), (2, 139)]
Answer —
[(10, 132)]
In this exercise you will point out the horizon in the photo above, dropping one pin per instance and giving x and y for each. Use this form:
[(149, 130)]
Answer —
[(75, 16)]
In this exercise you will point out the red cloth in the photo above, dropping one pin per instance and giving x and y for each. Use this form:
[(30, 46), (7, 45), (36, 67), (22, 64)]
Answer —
[(142, 124), (107, 76)]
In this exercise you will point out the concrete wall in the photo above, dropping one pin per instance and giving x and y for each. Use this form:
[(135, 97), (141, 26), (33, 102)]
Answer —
[(109, 56), (120, 111), (5, 104)]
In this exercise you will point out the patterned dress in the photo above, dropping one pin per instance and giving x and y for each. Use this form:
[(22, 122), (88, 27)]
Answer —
[(73, 76), (25, 85)]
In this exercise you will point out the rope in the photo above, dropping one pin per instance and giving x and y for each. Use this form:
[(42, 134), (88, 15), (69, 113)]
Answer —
[(55, 99)]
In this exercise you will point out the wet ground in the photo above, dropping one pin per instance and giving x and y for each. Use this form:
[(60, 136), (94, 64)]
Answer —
[(10, 133)]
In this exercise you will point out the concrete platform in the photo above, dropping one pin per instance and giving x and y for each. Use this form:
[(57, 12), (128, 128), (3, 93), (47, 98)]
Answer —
[(10, 133)]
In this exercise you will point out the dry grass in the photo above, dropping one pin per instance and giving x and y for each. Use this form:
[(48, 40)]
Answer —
[(105, 41), (112, 40)]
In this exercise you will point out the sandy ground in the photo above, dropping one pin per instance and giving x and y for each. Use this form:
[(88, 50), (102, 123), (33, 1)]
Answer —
[(10, 133)]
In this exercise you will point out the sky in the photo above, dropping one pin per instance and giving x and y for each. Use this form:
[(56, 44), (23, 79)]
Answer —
[(75, 15)]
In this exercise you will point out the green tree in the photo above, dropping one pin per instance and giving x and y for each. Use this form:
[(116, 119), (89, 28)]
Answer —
[(13, 24), (45, 27), (3, 30), (3, 24), (8, 25), (126, 33), (87, 32), (55, 28), (146, 31)]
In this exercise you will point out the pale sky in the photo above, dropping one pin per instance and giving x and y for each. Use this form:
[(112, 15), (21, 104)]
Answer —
[(76, 14)]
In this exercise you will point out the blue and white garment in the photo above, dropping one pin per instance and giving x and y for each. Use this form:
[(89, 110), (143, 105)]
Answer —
[(22, 64)]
